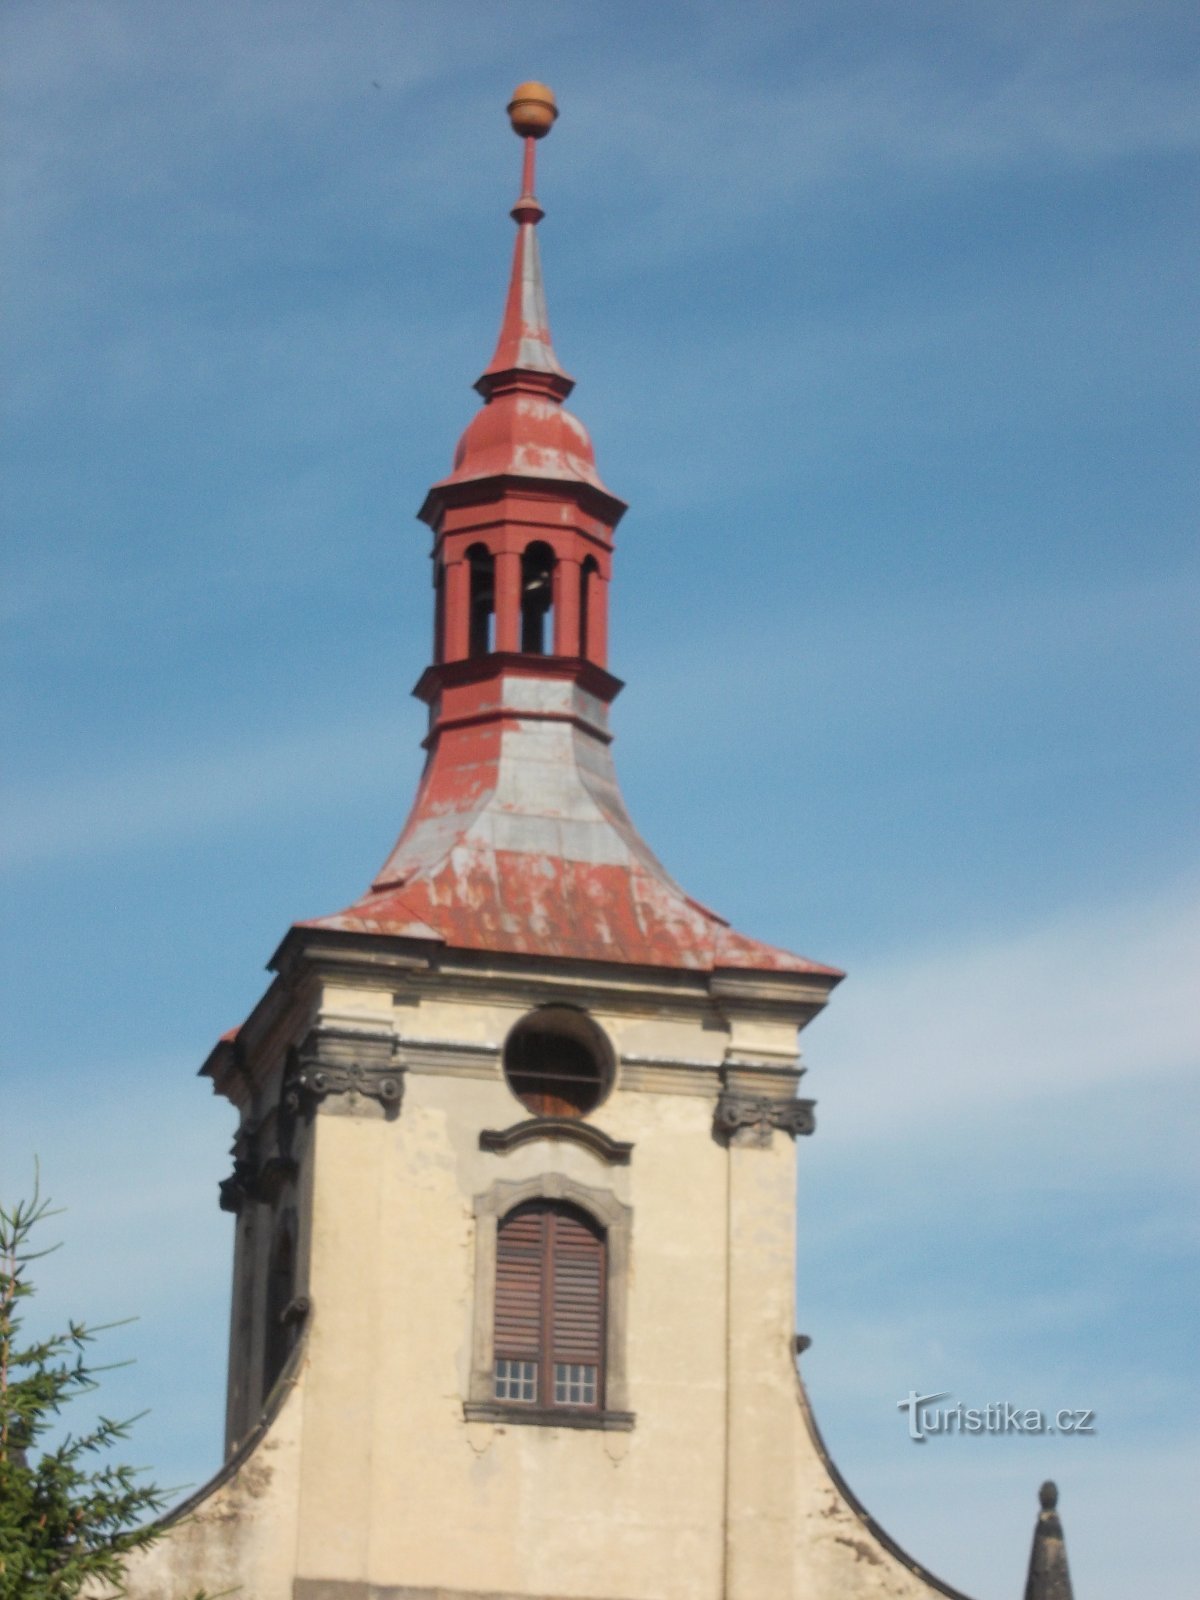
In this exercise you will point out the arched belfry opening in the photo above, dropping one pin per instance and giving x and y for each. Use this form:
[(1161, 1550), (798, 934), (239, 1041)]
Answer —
[(482, 567), (537, 589), (589, 596)]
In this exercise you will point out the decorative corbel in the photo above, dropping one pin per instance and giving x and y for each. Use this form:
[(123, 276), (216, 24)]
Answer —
[(248, 1181), (238, 1187), (312, 1084), (360, 1066), (751, 1118)]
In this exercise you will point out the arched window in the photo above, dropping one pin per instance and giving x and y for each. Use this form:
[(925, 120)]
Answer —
[(549, 1332), (483, 599), (557, 1062), (537, 570), (551, 1292), (588, 573)]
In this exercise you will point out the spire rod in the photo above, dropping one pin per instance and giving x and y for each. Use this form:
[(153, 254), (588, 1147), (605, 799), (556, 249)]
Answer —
[(527, 208), (524, 357), (532, 112)]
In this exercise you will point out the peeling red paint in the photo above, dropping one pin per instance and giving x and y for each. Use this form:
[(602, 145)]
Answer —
[(519, 840), (524, 437), (537, 905)]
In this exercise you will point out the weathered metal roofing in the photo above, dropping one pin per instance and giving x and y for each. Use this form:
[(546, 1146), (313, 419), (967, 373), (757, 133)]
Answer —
[(519, 840), (524, 436), (524, 344)]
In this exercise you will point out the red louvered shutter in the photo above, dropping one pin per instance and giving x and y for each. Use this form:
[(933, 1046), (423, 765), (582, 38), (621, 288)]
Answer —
[(576, 1310), (520, 1274), (549, 1315)]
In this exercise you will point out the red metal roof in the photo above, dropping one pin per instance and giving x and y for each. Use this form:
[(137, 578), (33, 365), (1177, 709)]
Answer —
[(519, 839), (525, 350)]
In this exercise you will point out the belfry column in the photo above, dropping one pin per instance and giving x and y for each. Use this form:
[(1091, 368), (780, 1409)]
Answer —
[(508, 600), (567, 572), (597, 618), (457, 611)]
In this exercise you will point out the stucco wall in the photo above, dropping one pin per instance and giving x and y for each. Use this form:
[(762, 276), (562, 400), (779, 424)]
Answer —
[(372, 1482), (238, 1535)]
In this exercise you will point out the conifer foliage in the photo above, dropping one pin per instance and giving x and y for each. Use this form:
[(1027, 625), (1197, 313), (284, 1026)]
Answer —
[(67, 1514)]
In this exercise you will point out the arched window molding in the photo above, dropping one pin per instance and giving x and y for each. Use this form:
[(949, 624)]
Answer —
[(616, 1219)]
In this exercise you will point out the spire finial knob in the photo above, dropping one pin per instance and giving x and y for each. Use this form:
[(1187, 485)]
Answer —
[(532, 110), (1048, 1495)]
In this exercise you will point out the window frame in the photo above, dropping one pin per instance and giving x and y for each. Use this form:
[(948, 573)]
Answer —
[(576, 1027), (553, 1249), (615, 1218)]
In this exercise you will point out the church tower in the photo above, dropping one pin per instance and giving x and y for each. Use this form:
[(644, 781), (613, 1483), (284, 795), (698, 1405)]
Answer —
[(514, 1179)]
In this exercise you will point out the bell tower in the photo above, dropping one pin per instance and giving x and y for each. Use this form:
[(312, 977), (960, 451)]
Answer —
[(523, 526), (514, 1176)]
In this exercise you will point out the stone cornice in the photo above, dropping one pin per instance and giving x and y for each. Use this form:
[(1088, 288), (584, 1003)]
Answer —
[(592, 679), (333, 953), (309, 957), (457, 1058), (357, 956), (798, 996), (667, 1075), (442, 496)]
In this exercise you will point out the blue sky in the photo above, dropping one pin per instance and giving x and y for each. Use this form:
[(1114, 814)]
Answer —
[(883, 321)]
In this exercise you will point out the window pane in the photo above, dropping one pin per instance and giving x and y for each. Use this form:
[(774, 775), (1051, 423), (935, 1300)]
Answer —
[(516, 1380), (574, 1384)]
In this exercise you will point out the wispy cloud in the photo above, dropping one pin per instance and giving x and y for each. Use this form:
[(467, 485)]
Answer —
[(712, 141), (898, 112), (1093, 999), (188, 795), (893, 662)]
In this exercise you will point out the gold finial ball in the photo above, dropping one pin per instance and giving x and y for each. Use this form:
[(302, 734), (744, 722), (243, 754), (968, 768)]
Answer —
[(532, 110)]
